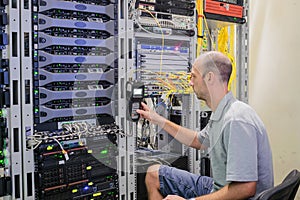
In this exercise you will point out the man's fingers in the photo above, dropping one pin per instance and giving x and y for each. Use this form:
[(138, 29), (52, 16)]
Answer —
[(145, 107)]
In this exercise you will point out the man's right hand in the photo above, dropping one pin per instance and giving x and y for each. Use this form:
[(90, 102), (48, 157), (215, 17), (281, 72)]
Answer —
[(151, 115)]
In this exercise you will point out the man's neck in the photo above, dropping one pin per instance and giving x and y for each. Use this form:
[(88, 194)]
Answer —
[(217, 98)]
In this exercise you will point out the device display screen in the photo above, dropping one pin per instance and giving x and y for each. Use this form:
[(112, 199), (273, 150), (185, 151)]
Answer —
[(138, 92)]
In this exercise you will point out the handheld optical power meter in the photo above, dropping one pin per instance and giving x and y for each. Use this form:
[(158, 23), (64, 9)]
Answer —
[(135, 99)]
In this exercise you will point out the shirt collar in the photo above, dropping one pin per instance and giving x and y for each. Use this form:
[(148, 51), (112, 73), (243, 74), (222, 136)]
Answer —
[(221, 107)]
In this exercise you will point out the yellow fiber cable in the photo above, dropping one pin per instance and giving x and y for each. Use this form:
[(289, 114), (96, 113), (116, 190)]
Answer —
[(222, 40), (226, 45), (209, 34), (199, 7), (232, 80)]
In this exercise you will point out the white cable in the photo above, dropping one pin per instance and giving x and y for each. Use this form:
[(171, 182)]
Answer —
[(62, 149)]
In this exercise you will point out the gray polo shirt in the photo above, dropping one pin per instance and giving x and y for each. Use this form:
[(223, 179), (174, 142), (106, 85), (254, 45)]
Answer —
[(239, 145)]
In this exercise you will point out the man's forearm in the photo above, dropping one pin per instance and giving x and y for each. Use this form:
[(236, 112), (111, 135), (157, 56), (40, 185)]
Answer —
[(183, 135)]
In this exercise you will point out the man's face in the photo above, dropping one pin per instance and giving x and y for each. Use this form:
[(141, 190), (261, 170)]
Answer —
[(198, 84)]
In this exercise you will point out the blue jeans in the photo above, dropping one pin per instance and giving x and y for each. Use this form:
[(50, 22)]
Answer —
[(183, 183)]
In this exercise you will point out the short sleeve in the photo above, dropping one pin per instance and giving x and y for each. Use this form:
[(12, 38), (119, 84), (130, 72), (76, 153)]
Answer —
[(241, 140), (203, 136)]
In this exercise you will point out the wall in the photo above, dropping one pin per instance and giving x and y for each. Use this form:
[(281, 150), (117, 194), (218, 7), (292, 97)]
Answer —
[(274, 78)]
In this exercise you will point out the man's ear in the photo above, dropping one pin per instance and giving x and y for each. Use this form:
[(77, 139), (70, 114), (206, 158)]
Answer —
[(209, 77)]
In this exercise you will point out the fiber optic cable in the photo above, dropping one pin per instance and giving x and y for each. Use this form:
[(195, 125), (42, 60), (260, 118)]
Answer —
[(200, 16)]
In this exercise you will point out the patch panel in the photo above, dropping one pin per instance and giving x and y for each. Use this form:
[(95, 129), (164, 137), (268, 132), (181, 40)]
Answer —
[(149, 57), (176, 49), (163, 69), (164, 66)]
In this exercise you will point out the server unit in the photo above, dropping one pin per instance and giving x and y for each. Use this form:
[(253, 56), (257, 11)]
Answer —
[(225, 10)]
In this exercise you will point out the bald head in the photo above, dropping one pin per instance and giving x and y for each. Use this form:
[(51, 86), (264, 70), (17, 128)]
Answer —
[(216, 62)]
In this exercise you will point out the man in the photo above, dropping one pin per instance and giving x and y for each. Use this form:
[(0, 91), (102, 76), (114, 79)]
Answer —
[(241, 158)]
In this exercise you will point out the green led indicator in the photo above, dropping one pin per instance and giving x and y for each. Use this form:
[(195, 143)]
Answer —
[(36, 110), (36, 73), (104, 151), (34, 16), (6, 161), (3, 112), (1, 162), (36, 91)]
